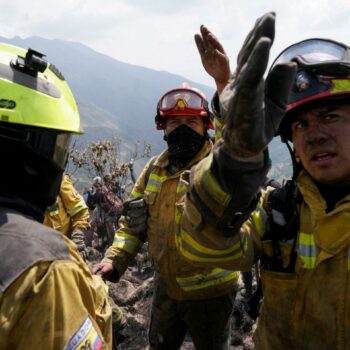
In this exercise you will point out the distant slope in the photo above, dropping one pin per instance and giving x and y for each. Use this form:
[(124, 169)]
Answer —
[(117, 98), (128, 93)]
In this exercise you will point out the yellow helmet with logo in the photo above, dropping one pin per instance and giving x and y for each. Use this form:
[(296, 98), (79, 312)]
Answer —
[(38, 115), (36, 101), (34, 93)]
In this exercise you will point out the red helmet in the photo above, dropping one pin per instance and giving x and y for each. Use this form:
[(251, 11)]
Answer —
[(323, 73), (183, 101)]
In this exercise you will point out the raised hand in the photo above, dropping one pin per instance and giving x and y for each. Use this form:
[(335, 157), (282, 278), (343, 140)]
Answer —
[(213, 56)]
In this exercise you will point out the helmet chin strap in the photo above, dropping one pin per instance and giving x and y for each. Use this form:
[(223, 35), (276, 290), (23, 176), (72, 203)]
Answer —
[(296, 165)]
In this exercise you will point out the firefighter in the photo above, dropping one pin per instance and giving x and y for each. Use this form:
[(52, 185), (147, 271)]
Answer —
[(301, 232), (48, 298), (106, 214), (69, 215), (186, 298)]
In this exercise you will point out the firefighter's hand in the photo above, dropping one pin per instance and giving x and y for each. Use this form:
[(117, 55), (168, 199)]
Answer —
[(135, 212), (213, 56), (251, 108), (106, 270)]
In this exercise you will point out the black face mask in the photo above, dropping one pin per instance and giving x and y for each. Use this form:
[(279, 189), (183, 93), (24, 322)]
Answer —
[(183, 145)]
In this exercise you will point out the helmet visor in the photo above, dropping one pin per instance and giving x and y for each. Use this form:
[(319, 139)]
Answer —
[(314, 51), (181, 99), (51, 145)]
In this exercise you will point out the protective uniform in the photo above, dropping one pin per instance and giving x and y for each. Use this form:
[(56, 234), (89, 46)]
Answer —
[(186, 298), (69, 211), (162, 194), (301, 301), (305, 305), (48, 297), (42, 305)]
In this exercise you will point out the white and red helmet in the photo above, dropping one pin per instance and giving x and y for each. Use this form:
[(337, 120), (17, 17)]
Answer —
[(183, 101)]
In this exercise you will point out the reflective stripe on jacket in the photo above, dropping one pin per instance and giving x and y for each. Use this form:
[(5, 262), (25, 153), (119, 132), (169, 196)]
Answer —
[(307, 309), (165, 197), (69, 211)]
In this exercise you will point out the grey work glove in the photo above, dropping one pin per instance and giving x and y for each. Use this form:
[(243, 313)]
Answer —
[(251, 108), (78, 237), (135, 212)]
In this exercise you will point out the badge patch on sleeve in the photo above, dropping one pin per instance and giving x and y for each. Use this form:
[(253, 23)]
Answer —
[(85, 338)]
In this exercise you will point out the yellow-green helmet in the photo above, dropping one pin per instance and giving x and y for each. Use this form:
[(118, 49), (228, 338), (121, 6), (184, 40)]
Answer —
[(38, 115), (34, 93)]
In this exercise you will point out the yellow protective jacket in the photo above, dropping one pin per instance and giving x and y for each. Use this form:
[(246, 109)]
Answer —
[(48, 297), (69, 211), (165, 194), (306, 309)]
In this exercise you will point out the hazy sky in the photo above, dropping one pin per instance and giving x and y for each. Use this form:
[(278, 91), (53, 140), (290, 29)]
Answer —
[(159, 33)]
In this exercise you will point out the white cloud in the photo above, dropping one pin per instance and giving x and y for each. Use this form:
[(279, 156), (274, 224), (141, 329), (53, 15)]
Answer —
[(159, 33)]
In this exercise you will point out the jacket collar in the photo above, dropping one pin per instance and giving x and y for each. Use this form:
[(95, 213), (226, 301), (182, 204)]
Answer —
[(313, 197), (23, 207), (331, 230)]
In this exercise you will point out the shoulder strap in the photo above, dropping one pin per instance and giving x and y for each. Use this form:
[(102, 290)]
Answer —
[(284, 222), (272, 183), (284, 225), (150, 169), (282, 210)]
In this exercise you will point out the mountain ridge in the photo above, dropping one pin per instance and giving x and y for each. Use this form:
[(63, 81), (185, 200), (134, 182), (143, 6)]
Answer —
[(114, 96)]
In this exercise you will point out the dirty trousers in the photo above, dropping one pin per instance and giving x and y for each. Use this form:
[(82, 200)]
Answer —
[(208, 321)]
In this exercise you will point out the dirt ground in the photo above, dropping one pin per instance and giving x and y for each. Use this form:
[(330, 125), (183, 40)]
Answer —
[(133, 294)]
